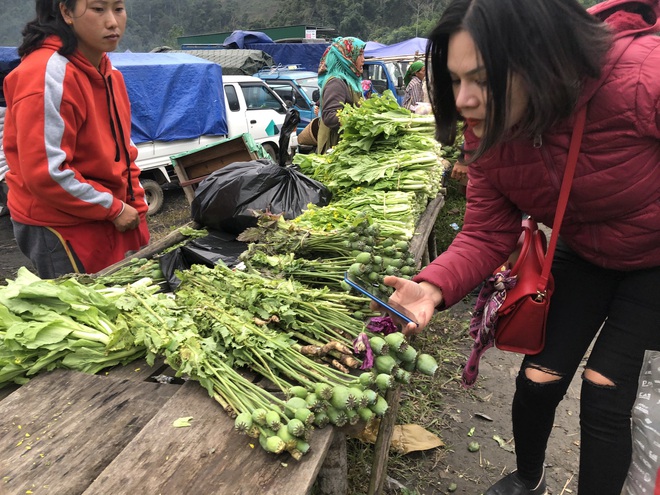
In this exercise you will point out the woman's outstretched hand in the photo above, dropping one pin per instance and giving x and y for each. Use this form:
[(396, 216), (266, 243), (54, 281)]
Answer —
[(420, 299)]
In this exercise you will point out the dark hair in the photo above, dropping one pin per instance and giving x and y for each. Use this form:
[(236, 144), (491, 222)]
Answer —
[(49, 21), (551, 44)]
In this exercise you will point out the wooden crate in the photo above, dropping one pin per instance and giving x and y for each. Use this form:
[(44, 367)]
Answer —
[(194, 166)]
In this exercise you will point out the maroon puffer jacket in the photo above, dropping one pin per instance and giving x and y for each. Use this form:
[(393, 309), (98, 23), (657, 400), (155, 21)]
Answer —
[(613, 213)]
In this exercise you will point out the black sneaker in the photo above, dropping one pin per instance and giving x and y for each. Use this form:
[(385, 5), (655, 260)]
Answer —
[(512, 485)]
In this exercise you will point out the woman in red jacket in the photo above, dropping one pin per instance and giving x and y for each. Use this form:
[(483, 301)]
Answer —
[(517, 71), (74, 196)]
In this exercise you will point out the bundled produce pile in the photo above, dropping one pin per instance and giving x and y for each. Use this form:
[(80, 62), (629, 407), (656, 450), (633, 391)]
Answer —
[(383, 172), (280, 248), (387, 163), (285, 315), (44, 325)]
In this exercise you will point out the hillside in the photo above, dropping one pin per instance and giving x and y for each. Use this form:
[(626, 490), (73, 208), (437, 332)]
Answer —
[(157, 22), (153, 23)]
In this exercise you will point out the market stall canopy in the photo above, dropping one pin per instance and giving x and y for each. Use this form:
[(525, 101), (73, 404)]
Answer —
[(373, 45), (413, 46), (240, 39), (173, 96)]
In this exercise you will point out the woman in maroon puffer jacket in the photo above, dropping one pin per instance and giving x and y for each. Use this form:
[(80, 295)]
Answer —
[(517, 72)]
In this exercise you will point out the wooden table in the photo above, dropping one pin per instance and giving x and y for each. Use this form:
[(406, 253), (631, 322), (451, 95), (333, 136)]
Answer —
[(70, 433), (67, 432)]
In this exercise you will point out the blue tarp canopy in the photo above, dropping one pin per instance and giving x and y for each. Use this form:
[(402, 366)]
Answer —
[(240, 39), (173, 95), (308, 55), (413, 46), (373, 45)]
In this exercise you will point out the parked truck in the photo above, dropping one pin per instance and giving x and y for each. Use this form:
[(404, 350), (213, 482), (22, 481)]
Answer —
[(180, 103), (384, 65), (298, 61), (297, 87), (387, 73)]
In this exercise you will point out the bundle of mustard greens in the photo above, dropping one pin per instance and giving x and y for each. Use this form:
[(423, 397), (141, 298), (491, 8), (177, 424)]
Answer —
[(382, 174), (382, 146)]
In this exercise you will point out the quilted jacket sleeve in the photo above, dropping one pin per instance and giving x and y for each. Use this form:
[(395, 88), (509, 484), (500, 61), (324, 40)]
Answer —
[(490, 231)]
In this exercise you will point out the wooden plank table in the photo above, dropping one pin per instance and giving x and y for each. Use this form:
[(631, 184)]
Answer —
[(61, 429), (67, 432), (70, 433)]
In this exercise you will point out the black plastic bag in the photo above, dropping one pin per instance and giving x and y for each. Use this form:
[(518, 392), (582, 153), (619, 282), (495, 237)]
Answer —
[(228, 198), (216, 247)]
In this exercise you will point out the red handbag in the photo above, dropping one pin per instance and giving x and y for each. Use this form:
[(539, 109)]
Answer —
[(521, 319)]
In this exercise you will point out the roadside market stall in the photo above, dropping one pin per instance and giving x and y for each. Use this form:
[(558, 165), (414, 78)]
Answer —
[(122, 430)]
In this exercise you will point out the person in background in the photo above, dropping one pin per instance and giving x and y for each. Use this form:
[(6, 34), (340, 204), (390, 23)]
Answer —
[(75, 199), (340, 78), (368, 89), (518, 72), (413, 81)]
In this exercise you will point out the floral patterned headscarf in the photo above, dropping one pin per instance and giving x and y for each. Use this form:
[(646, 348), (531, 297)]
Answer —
[(339, 60)]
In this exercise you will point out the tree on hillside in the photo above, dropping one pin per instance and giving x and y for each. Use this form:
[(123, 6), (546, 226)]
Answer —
[(153, 23)]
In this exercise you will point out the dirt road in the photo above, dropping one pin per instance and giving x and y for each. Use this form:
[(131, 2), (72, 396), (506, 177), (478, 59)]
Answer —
[(483, 415)]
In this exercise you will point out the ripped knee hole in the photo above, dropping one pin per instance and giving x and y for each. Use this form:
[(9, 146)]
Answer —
[(539, 374), (597, 379)]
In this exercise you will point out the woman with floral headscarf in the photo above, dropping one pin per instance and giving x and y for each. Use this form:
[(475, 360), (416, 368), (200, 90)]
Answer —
[(413, 81), (340, 75)]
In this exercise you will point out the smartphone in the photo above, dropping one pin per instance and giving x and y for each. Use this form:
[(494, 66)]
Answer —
[(391, 307)]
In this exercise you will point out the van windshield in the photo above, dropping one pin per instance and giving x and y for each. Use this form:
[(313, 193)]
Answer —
[(308, 85), (259, 96)]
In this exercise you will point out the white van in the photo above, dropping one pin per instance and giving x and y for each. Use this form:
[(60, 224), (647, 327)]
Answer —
[(251, 107), (254, 108)]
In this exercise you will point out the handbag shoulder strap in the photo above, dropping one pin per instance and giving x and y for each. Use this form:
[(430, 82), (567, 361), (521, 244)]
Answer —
[(571, 162)]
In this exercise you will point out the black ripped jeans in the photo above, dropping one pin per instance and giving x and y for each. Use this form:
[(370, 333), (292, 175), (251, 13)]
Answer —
[(586, 296)]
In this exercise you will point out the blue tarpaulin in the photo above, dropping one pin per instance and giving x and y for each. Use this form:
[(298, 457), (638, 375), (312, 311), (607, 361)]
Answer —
[(8, 58), (173, 95), (308, 55), (240, 39), (413, 46), (373, 45)]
